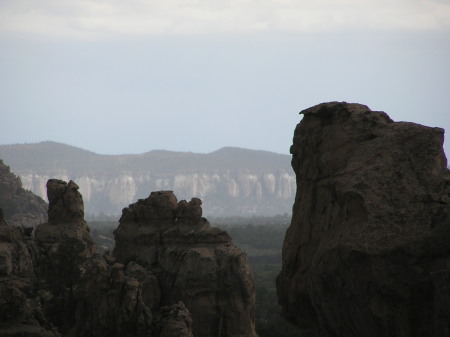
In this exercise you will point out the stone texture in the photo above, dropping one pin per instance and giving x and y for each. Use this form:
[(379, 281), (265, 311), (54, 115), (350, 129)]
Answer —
[(86, 296), (368, 249), (20, 313), (172, 274), (15, 257), (20, 207), (193, 262), (175, 321), (65, 202), (110, 303), (65, 220)]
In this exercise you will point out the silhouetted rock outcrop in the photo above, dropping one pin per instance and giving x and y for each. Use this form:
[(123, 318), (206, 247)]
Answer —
[(20, 207), (193, 262), (172, 274), (65, 220), (368, 250)]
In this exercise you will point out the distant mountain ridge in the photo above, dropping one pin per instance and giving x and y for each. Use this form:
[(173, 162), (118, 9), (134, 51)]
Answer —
[(230, 181)]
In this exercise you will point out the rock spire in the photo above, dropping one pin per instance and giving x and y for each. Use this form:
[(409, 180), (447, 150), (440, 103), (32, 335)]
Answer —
[(193, 262), (368, 249)]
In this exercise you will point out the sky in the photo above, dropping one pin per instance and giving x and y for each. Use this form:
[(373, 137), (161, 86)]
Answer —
[(132, 76)]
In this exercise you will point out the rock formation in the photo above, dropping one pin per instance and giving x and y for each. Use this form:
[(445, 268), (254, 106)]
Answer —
[(368, 249), (192, 261), (20, 313), (172, 274), (20, 207), (65, 220)]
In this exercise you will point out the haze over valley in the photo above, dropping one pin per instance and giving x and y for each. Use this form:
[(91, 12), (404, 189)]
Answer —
[(230, 181)]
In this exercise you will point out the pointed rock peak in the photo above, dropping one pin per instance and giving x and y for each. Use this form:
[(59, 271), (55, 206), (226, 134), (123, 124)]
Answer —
[(66, 227), (73, 185), (65, 202)]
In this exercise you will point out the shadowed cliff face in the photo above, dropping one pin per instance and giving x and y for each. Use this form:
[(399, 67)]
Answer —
[(368, 249), (20, 207), (21, 313)]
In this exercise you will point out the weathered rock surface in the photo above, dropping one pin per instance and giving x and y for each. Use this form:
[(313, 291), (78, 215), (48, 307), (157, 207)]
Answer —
[(65, 220), (15, 257), (20, 313), (86, 295), (111, 303), (172, 274), (368, 249), (175, 321), (21, 208), (193, 262)]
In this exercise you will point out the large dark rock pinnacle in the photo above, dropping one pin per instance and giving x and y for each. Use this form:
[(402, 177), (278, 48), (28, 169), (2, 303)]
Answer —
[(65, 219), (65, 202), (368, 249), (192, 262)]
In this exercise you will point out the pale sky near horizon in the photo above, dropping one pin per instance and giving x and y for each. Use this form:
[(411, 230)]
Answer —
[(132, 76)]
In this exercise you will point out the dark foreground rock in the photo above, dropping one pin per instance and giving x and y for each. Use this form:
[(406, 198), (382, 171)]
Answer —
[(21, 313), (368, 249), (192, 261), (171, 275)]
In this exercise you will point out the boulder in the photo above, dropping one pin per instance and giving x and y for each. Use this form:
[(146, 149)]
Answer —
[(368, 249)]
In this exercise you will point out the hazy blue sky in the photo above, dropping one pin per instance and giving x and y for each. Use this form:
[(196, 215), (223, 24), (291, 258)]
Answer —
[(195, 75)]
